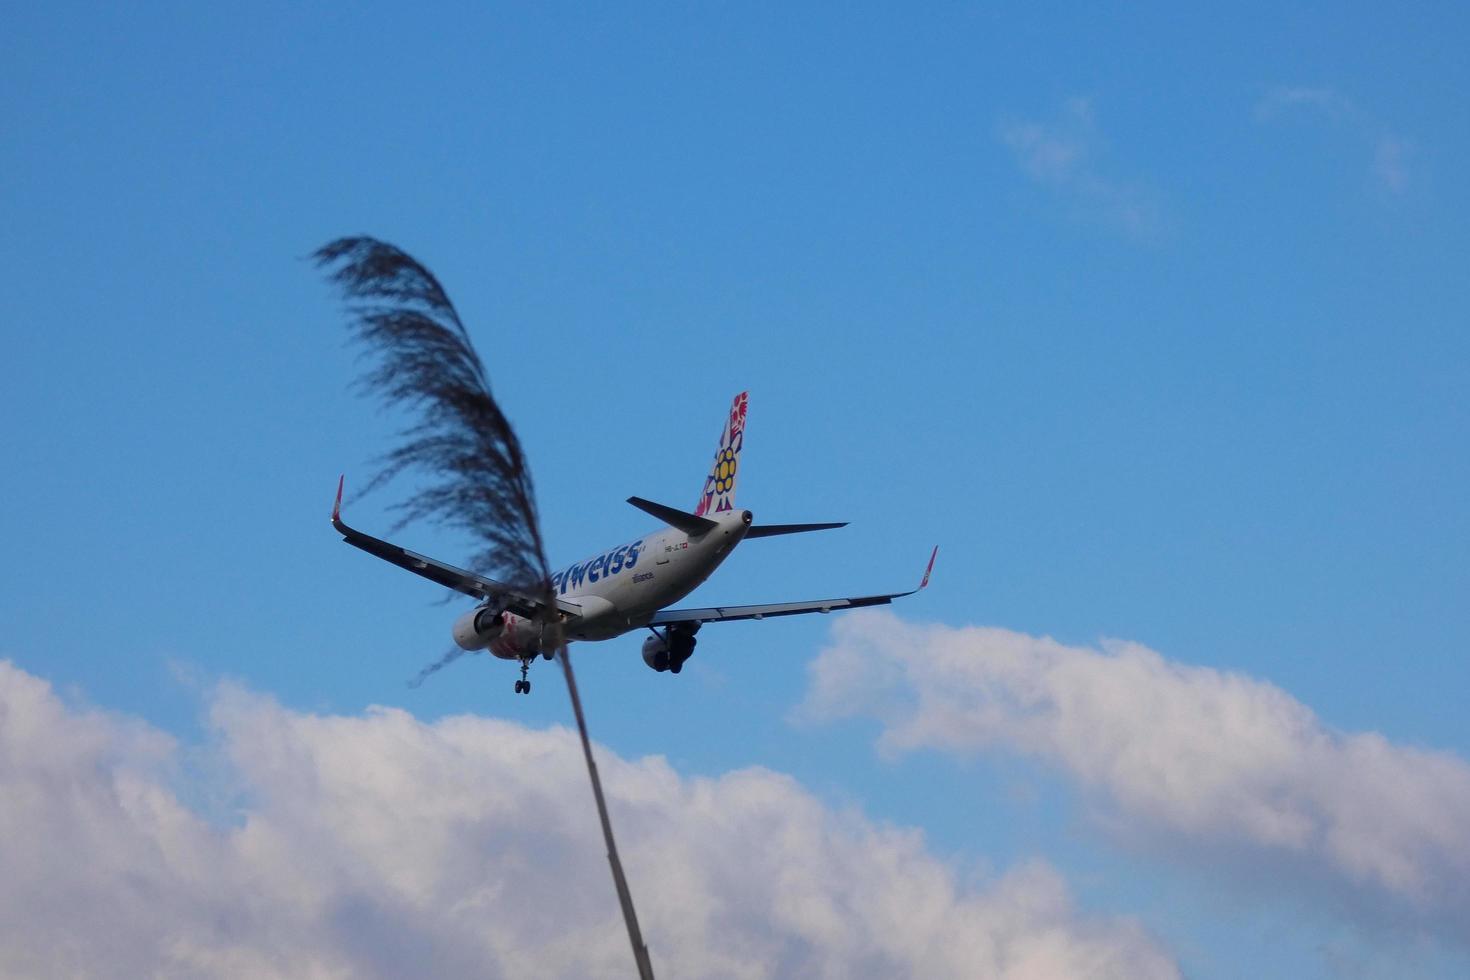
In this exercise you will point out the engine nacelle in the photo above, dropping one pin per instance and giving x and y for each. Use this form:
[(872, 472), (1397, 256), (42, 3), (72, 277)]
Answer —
[(478, 628), (668, 652), (656, 653)]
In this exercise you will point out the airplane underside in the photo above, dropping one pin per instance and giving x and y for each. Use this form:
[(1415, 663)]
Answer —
[(524, 640), (622, 589)]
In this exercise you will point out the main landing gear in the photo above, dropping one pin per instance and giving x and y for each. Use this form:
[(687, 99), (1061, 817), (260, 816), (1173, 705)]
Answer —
[(523, 686)]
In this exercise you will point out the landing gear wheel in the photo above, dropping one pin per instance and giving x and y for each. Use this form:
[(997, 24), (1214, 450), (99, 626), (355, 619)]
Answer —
[(525, 687), (520, 687)]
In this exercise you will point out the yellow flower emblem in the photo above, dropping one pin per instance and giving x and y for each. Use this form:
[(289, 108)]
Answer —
[(725, 471)]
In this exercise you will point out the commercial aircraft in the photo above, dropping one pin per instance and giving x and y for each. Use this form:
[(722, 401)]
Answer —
[(624, 588)]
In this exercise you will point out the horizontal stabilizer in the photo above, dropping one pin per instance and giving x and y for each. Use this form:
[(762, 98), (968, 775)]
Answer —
[(770, 530), (673, 517)]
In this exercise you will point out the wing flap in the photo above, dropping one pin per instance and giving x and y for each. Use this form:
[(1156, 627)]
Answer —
[(728, 613), (715, 614)]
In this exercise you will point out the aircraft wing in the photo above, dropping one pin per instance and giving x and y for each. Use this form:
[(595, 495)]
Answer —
[(722, 613), (518, 601)]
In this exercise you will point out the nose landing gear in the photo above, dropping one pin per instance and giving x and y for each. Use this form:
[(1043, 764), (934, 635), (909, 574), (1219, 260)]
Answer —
[(523, 686)]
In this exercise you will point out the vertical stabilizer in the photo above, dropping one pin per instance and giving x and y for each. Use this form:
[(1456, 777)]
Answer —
[(718, 495)]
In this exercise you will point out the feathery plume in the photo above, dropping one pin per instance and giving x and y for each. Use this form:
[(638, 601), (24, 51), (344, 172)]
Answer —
[(463, 442)]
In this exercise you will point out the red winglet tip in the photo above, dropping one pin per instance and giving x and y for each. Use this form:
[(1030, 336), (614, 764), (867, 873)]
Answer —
[(932, 555), (337, 506)]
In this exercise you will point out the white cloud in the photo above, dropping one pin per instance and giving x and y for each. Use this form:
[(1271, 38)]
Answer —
[(1283, 98), (1390, 163), (1390, 152), (1214, 760), (1062, 155), (378, 845)]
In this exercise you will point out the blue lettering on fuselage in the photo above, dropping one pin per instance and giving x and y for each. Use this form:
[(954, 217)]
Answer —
[(605, 565)]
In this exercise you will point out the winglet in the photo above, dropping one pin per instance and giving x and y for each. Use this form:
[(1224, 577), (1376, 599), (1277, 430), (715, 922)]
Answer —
[(932, 555), (337, 507)]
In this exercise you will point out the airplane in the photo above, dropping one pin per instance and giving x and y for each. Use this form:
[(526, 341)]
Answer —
[(625, 588)]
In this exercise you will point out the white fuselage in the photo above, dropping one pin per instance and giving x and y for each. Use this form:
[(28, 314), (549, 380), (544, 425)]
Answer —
[(620, 589)]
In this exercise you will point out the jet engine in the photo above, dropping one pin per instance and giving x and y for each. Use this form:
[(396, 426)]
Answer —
[(478, 628), (656, 653), (671, 649)]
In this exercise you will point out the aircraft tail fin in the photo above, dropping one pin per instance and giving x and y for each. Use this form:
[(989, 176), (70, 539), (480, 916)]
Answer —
[(718, 495)]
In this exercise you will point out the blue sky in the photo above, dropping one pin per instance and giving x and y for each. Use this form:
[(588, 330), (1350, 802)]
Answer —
[(1154, 322)]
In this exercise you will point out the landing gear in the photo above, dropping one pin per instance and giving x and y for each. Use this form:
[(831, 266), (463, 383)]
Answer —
[(681, 644), (523, 686)]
